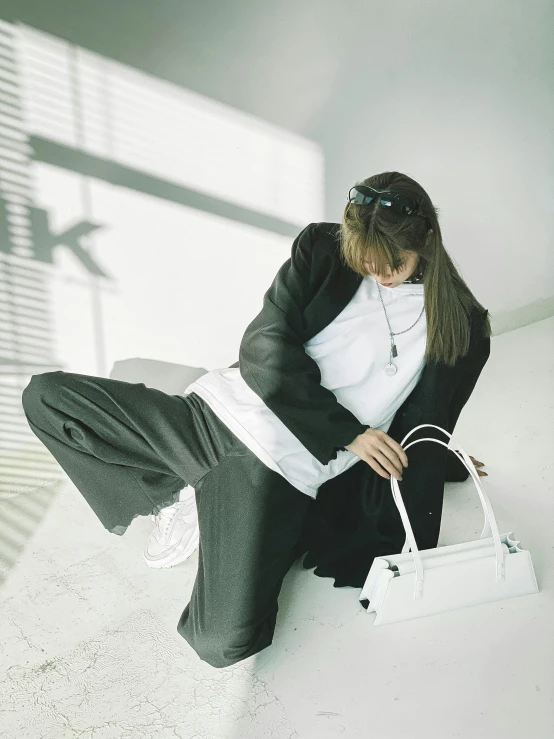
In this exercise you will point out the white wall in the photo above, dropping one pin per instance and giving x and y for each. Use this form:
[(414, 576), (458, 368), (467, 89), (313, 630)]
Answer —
[(177, 283), (457, 95)]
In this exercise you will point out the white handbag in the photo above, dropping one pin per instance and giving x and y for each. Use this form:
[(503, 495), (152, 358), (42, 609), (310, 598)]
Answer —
[(403, 586)]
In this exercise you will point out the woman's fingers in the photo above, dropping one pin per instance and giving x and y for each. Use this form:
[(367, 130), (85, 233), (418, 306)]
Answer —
[(388, 462), (478, 464), (475, 462)]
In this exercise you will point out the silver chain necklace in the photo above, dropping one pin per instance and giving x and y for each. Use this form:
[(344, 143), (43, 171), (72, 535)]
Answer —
[(390, 368)]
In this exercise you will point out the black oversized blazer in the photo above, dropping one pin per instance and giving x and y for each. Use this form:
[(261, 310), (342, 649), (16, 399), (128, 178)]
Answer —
[(354, 517)]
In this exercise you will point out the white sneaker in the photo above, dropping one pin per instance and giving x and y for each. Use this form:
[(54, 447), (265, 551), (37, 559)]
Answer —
[(175, 535)]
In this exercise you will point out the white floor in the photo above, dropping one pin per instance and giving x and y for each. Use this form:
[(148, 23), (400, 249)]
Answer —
[(89, 646)]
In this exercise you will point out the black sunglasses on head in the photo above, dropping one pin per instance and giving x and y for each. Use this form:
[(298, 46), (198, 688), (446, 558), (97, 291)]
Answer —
[(401, 204)]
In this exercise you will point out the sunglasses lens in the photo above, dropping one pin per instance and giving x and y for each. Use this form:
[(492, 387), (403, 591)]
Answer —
[(360, 196), (401, 204), (405, 205)]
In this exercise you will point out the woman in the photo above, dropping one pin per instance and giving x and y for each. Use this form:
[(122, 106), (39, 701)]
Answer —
[(365, 331)]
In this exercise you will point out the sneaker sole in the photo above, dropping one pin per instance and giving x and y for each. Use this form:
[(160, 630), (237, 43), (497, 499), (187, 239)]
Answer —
[(175, 555)]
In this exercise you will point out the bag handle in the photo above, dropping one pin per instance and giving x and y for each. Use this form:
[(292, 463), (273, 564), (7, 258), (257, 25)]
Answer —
[(490, 520)]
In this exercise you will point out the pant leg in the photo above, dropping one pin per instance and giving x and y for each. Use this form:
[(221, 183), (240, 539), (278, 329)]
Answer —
[(128, 449), (250, 521)]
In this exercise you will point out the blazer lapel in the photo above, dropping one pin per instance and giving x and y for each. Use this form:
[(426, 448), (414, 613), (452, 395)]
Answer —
[(337, 291), (337, 285)]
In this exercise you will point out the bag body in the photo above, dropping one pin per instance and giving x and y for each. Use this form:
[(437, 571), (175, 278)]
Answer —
[(408, 585)]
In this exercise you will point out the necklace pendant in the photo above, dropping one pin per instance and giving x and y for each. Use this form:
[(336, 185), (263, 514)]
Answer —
[(390, 369), (394, 351)]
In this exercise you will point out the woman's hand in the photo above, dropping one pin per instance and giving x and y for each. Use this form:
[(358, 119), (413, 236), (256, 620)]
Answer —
[(476, 464), (381, 452)]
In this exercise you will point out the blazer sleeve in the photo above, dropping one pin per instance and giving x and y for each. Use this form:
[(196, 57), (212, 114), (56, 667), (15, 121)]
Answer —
[(456, 471), (274, 364)]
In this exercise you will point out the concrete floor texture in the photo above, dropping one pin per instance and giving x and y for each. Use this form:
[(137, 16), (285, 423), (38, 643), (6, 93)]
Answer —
[(88, 632)]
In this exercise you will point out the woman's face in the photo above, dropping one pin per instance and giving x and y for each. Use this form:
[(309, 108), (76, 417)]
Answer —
[(397, 278)]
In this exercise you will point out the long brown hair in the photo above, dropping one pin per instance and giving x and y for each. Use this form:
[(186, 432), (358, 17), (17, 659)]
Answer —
[(372, 233)]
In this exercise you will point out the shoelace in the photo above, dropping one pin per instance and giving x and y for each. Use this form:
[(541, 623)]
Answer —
[(166, 516)]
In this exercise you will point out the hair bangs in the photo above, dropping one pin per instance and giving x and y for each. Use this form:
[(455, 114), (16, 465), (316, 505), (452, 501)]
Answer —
[(377, 254)]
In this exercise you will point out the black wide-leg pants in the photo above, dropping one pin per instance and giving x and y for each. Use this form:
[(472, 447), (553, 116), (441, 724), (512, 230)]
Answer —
[(129, 449)]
